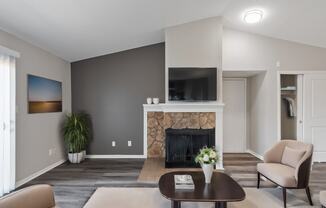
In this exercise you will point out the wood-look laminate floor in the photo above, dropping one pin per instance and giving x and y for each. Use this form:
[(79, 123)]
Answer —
[(75, 183)]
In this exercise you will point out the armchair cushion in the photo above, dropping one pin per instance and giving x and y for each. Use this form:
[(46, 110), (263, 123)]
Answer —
[(281, 174), (292, 157)]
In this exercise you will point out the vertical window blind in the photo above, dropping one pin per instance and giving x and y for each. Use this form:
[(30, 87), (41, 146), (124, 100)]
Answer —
[(7, 123)]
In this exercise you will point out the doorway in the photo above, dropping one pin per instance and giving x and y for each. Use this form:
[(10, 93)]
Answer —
[(291, 106), (234, 121)]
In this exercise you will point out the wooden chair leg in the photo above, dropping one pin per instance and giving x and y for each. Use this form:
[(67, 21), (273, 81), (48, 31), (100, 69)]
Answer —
[(258, 180), (284, 197), (309, 195)]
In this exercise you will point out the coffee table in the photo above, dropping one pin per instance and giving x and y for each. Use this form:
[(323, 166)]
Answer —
[(221, 190)]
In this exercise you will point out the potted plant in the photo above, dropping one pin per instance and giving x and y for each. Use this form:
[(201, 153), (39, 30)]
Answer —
[(207, 158), (76, 132)]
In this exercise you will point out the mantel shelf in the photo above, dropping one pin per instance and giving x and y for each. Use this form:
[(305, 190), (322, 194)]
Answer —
[(184, 107)]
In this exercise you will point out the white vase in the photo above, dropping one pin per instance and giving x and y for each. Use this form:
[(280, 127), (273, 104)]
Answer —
[(156, 101), (208, 172), (149, 100)]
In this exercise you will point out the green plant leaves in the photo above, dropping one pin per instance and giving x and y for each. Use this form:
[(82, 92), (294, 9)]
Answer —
[(76, 132)]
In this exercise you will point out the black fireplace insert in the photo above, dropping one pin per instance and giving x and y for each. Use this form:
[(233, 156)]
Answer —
[(182, 146)]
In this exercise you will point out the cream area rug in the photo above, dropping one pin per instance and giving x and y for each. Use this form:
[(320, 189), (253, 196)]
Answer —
[(151, 198)]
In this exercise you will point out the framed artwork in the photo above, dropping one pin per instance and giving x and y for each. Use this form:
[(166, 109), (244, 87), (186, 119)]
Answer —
[(44, 95)]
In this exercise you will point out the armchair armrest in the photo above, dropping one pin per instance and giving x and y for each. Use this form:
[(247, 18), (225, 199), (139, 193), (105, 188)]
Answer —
[(37, 196), (274, 154), (302, 171)]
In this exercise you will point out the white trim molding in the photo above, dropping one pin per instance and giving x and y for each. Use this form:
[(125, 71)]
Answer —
[(255, 154), (9, 52), (34, 175), (116, 156), (212, 106)]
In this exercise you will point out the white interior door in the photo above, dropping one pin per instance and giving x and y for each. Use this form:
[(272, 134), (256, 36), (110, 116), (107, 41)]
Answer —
[(234, 119), (315, 114)]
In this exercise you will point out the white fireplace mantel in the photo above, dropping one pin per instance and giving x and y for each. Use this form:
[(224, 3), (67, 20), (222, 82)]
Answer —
[(184, 107), (215, 107)]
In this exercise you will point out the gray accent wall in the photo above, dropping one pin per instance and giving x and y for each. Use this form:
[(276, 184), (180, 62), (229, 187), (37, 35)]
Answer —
[(112, 89)]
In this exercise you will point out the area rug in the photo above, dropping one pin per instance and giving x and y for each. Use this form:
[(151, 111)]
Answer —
[(151, 198)]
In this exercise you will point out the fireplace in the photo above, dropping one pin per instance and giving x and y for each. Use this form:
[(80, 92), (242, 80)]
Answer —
[(181, 116), (182, 145)]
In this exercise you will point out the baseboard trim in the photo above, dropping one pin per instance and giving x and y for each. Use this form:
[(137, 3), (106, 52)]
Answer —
[(116, 156), (38, 173), (255, 154)]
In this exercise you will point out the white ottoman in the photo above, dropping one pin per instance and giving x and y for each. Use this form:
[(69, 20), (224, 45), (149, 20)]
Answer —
[(322, 198)]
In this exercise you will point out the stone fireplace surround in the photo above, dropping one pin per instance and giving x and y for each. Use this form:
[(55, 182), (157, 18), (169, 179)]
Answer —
[(158, 122), (157, 118)]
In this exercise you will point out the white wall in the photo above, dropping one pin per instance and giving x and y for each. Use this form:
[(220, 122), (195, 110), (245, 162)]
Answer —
[(37, 133), (249, 51), (194, 44)]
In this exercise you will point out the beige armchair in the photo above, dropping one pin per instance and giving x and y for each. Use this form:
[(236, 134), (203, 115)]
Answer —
[(37, 196), (288, 165), (322, 198)]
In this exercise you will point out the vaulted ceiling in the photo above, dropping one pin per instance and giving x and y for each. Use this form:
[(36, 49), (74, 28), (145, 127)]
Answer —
[(79, 29)]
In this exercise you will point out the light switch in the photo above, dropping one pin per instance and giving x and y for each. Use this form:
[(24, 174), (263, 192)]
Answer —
[(129, 143), (113, 143)]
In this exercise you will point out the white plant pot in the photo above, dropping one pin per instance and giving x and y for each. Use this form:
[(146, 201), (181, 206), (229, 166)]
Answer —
[(84, 155), (75, 157), (208, 172)]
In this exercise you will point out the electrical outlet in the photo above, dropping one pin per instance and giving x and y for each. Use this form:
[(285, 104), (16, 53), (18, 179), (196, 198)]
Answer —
[(113, 143), (129, 143)]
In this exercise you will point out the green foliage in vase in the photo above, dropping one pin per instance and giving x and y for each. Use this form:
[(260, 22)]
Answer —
[(207, 155), (76, 132)]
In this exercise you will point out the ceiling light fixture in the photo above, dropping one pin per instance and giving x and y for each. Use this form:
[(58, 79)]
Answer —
[(253, 16)]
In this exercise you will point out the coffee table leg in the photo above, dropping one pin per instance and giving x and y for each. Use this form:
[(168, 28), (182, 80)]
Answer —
[(175, 204), (220, 205)]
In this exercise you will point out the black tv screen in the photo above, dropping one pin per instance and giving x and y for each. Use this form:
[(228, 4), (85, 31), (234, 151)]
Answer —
[(192, 84)]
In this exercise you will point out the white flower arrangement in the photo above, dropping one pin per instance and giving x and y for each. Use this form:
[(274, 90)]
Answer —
[(207, 156)]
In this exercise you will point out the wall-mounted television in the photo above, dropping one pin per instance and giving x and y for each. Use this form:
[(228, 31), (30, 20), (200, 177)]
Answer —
[(192, 84)]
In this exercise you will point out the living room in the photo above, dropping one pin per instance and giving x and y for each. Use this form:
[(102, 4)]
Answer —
[(122, 101)]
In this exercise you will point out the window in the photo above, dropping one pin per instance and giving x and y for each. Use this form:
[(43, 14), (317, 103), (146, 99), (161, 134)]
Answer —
[(7, 121)]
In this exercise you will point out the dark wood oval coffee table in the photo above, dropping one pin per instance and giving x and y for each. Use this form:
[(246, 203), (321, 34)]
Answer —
[(221, 190)]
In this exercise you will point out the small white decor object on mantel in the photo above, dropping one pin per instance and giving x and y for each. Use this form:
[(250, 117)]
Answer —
[(207, 157), (149, 100), (184, 182), (156, 101)]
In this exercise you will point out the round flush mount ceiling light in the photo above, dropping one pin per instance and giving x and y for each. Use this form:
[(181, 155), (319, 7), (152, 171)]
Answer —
[(253, 16)]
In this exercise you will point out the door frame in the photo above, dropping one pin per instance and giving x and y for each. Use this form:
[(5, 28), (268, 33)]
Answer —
[(245, 147), (278, 96)]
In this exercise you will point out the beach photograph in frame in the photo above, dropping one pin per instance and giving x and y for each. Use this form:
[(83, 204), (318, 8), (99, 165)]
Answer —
[(44, 95)]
